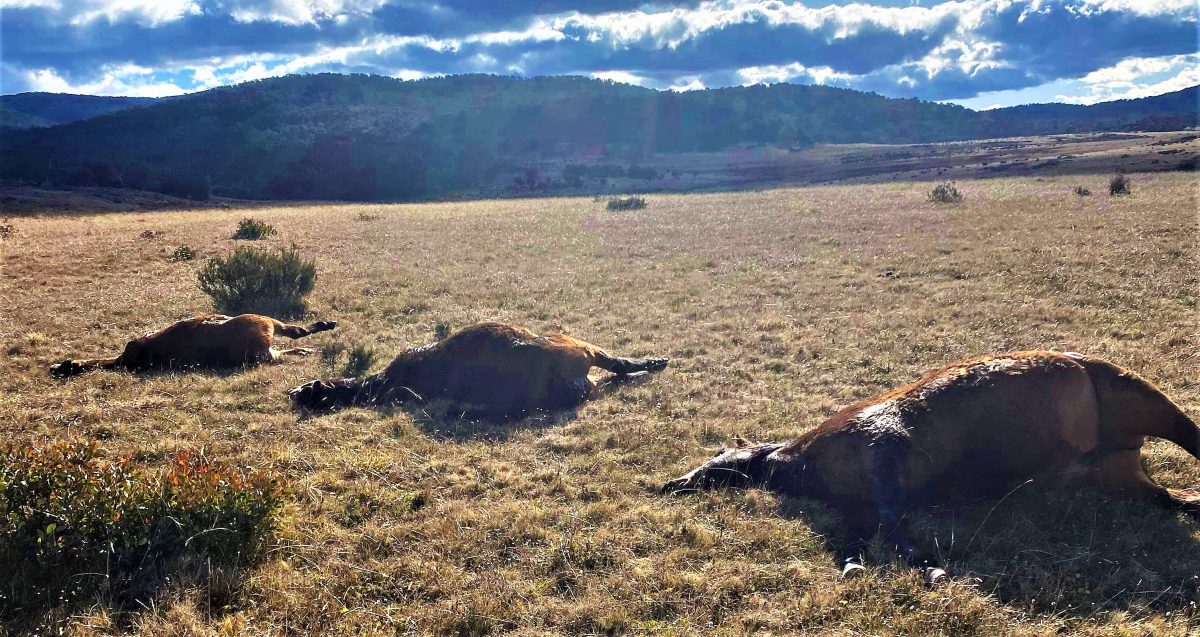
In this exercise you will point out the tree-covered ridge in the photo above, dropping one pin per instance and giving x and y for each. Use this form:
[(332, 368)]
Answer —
[(361, 137), (33, 110)]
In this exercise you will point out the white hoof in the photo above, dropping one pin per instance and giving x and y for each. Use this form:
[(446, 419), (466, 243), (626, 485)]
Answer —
[(935, 576), (853, 570)]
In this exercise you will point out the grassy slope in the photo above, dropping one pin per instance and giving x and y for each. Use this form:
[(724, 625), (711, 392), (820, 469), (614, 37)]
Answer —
[(776, 307)]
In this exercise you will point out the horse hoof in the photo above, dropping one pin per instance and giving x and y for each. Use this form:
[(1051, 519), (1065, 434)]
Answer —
[(935, 576), (853, 570)]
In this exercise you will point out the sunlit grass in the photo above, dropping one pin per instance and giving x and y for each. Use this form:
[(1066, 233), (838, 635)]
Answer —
[(776, 307)]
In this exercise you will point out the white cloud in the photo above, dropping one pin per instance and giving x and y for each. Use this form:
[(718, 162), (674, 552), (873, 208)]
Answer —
[(623, 77), (295, 12), (671, 28), (773, 73), (145, 12), (1138, 77), (128, 80), (687, 83)]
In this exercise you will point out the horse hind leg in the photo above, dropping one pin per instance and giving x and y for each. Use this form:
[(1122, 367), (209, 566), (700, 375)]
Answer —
[(628, 366), (1123, 477), (273, 355)]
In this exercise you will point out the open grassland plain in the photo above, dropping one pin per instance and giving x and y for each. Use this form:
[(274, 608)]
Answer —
[(776, 308)]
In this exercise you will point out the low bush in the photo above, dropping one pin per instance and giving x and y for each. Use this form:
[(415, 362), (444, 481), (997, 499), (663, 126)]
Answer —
[(183, 253), (1119, 185), (358, 361), (331, 354), (626, 203), (253, 230), (74, 526), (250, 280), (1082, 192), (945, 193)]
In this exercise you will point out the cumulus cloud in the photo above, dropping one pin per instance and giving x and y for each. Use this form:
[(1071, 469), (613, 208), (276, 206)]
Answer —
[(1138, 77), (949, 50)]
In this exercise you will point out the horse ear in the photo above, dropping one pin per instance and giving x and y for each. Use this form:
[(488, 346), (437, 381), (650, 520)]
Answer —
[(739, 442)]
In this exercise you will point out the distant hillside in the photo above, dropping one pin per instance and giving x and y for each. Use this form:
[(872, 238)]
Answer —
[(33, 110), (356, 137)]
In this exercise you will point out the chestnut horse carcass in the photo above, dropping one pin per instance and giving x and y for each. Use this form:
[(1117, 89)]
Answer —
[(972, 429), (211, 341), (493, 369)]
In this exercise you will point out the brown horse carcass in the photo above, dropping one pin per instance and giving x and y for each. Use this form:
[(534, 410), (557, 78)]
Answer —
[(972, 429), (494, 369), (211, 341)]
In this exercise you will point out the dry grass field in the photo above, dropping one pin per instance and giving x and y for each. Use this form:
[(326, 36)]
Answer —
[(776, 308)]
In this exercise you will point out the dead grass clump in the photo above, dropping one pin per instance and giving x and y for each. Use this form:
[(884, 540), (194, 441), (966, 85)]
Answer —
[(258, 281)]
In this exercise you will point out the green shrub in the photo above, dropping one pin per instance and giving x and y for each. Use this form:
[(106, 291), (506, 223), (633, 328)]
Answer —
[(73, 526), (441, 331), (253, 229), (945, 193), (1082, 192), (250, 280), (331, 354), (183, 253), (1119, 185), (626, 203), (358, 361)]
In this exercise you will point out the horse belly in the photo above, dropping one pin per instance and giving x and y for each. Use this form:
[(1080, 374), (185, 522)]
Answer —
[(983, 440)]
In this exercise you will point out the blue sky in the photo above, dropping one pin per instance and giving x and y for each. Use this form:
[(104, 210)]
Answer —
[(979, 53)]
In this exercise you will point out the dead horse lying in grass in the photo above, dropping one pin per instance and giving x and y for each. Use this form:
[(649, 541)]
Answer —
[(972, 429), (493, 369), (213, 341)]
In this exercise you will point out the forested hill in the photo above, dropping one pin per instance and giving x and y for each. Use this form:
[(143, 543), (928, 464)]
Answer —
[(356, 137), (33, 110)]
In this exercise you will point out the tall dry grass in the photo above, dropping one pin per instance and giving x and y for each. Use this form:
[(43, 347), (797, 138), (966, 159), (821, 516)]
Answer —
[(776, 308)]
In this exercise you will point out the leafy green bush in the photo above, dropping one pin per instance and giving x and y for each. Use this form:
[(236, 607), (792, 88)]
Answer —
[(331, 354), (626, 203), (250, 280), (1119, 185), (441, 330), (945, 193), (358, 361), (73, 525), (183, 253), (253, 229), (1082, 192)]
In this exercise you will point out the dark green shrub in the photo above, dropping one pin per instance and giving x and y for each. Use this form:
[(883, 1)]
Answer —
[(358, 361), (441, 330), (331, 354), (74, 526), (1119, 185), (945, 193), (626, 203), (183, 253), (253, 229), (1082, 192), (257, 281)]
